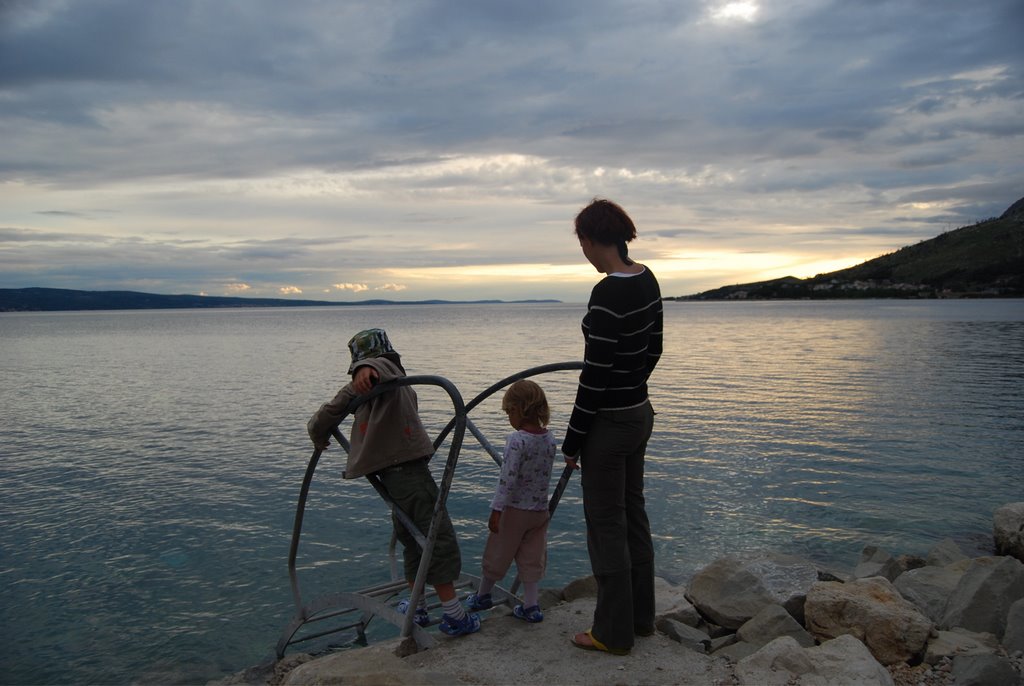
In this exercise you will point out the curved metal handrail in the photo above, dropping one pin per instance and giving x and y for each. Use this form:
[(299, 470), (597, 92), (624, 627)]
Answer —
[(494, 388), (460, 411), (458, 425), (439, 505)]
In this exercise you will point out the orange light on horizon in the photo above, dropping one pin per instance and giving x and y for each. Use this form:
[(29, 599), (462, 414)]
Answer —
[(730, 267), (498, 273), (748, 267)]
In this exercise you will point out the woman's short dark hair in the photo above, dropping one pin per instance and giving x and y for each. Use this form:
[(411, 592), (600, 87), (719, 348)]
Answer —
[(602, 221)]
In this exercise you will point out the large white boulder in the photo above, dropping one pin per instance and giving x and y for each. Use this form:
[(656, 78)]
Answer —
[(982, 598), (843, 660), (873, 611), (731, 590), (929, 588)]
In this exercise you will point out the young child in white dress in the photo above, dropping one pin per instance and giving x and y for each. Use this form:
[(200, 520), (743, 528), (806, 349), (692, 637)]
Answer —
[(518, 523)]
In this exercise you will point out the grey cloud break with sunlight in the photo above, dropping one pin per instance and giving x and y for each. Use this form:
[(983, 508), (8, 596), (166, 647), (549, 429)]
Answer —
[(415, 150)]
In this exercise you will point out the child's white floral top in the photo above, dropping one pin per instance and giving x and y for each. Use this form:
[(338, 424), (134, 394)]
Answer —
[(525, 471)]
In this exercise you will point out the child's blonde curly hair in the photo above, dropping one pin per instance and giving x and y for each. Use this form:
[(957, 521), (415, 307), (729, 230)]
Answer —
[(529, 400)]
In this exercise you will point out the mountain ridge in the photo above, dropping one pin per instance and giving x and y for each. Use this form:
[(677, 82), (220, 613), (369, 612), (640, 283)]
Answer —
[(38, 299), (983, 260)]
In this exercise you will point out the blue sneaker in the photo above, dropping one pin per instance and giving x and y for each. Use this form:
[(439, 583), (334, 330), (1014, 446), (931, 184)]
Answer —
[(531, 614), (479, 602), (421, 617), (470, 624)]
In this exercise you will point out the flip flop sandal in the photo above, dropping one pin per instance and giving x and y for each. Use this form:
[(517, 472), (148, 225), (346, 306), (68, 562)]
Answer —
[(595, 644)]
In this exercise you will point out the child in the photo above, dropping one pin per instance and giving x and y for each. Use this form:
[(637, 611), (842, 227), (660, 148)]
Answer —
[(519, 511), (388, 439)]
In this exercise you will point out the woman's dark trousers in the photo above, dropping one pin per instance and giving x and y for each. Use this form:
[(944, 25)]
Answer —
[(618, 531)]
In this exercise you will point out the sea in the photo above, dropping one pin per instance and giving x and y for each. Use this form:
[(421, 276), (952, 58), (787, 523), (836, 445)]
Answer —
[(151, 461)]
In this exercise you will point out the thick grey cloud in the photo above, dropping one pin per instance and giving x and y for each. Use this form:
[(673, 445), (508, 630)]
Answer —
[(311, 135)]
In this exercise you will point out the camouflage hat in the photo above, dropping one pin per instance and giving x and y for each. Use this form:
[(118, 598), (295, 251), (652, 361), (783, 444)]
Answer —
[(368, 344)]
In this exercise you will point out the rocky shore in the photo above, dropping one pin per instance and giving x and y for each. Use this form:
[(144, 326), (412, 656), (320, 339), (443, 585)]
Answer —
[(901, 620)]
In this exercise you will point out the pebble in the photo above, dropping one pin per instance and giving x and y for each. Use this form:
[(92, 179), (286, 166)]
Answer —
[(941, 674)]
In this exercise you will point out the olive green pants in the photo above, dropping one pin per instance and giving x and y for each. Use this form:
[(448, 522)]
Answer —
[(412, 487)]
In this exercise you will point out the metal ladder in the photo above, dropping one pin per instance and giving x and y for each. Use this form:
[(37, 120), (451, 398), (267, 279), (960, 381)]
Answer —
[(344, 611)]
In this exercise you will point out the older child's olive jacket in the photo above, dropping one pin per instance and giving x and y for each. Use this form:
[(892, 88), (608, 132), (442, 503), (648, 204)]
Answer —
[(386, 430)]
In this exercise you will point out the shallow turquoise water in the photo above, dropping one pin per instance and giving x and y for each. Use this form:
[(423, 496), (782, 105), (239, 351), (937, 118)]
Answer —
[(150, 462)]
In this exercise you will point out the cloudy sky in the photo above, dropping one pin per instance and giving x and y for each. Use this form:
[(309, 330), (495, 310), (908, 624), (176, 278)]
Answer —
[(440, 148)]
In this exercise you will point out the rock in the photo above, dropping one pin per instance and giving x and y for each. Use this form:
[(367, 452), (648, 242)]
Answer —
[(667, 596), (982, 598), (1008, 530), (731, 590), (775, 664), (984, 670), (685, 613), (770, 623), (714, 630), (921, 674), (950, 644), (274, 673), (828, 574), (787, 578), (670, 603), (945, 552), (905, 563), (875, 561), (372, 666), (689, 637), (723, 641), (1013, 638), (585, 587), (929, 588), (873, 611), (727, 592), (734, 652), (549, 597), (844, 660)]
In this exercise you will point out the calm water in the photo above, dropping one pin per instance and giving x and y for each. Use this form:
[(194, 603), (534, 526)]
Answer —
[(150, 461)]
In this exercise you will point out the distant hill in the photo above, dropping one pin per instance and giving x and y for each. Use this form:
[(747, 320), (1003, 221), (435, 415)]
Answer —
[(57, 299), (985, 260)]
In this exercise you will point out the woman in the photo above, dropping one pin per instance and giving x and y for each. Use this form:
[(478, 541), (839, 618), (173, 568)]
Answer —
[(610, 424)]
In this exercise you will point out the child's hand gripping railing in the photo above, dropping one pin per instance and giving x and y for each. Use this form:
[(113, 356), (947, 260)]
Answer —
[(369, 600)]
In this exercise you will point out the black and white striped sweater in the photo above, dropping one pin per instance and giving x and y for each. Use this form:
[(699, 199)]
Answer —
[(622, 333)]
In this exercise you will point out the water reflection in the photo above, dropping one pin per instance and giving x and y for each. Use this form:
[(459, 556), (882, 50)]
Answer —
[(882, 403), (151, 460)]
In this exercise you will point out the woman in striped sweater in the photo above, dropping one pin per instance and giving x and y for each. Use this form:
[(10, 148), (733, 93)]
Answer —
[(610, 425)]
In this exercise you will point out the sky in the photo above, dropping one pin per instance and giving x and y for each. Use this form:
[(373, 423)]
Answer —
[(413, 150)]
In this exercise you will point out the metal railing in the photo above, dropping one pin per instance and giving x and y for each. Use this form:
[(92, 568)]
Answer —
[(375, 600)]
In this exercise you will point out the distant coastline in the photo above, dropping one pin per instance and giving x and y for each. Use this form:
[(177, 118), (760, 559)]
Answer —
[(66, 300), (985, 260)]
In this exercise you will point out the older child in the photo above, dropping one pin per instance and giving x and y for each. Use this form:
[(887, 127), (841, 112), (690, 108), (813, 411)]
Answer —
[(388, 439), (519, 511)]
